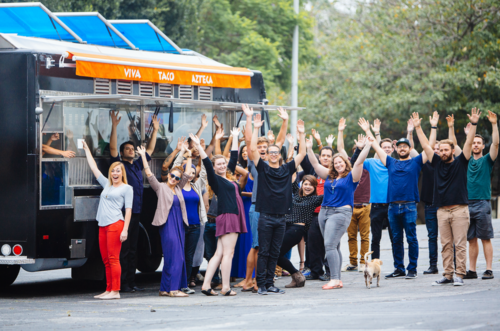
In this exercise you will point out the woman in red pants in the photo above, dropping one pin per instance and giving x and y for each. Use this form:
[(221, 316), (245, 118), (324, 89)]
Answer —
[(113, 230)]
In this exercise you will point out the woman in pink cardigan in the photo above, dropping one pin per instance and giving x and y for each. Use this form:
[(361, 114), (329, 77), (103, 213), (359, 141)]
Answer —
[(169, 217)]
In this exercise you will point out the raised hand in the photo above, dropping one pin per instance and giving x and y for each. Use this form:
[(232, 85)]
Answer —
[(361, 142), (54, 136), (235, 132), (194, 139), (300, 126), (247, 110), (492, 117), (451, 120), (202, 143), (467, 128), (309, 142), (141, 150), (219, 134), (342, 124), (85, 146), (180, 142), (185, 146), (289, 137), (364, 124), (330, 139), (369, 140), (416, 120), (257, 122), (204, 122), (69, 134), (376, 126), (282, 114), (316, 135), (410, 127), (156, 123), (114, 118), (270, 136), (434, 119), (215, 119), (474, 116)]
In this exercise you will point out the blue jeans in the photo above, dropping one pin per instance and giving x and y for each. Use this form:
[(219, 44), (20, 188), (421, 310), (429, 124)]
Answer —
[(254, 225), (431, 222), (403, 218), (210, 247), (192, 235)]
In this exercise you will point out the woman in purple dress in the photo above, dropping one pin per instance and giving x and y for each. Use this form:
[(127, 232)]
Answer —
[(230, 220), (170, 217)]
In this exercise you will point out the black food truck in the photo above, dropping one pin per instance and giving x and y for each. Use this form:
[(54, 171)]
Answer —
[(60, 76)]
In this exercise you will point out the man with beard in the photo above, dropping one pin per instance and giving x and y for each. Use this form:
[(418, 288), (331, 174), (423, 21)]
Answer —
[(402, 195), (479, 188), (450, 196)]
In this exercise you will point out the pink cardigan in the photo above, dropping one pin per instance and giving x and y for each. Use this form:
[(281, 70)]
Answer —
[(166, 198)]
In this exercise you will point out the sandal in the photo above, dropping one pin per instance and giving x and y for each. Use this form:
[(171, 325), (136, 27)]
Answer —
[(229, 293), (177, 294), (209, 292)]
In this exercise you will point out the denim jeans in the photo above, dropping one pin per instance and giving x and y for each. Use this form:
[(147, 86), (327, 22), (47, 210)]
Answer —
[(271, 233), (192, 235), (254, 225), (403, 218), (210, 247), (431, 222)]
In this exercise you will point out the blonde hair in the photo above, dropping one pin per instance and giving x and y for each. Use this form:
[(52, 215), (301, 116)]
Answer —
[(124, 173), (333, 173)]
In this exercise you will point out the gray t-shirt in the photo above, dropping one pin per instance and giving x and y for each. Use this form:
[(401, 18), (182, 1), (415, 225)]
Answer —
[(255, 175), (112, 201)]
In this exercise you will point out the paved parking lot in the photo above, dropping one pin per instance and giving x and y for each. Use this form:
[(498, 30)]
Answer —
[(51, 300)]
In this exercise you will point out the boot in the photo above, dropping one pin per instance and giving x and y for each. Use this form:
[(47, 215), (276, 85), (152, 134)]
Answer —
[(298, 280), (432, 270)]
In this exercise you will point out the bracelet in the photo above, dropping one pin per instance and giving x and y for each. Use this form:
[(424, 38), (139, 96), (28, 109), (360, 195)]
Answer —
[(145, 168), (377, 134), (473, 123), (434, 127)]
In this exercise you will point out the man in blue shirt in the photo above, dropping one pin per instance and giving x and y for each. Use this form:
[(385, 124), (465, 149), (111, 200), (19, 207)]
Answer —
[(128, 253), (402, 195)]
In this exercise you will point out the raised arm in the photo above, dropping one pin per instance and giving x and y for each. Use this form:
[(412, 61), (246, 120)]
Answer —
[(152, 140), (91, 161), (492, 117), (142, 152), (290, 140), (376, 129), (317, 137), (379, 151), (318, 168), (248, 125), (340, 139), (235, 132), (360, 144), (329, 140), (473, 118), (203, 126), (284, 126), (169, 159), (229, 145), (357, 168), (422, 138), (302, 143), (253, 154), (409, 136), (113, 151)]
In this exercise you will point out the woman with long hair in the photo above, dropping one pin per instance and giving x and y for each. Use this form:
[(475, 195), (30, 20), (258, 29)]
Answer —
[(305, 201), (170, 217), (230, 220), (341, 180), (113, 229)]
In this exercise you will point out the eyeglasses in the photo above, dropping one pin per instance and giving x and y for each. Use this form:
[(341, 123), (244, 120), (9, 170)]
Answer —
[(274, 152), (175, 177)]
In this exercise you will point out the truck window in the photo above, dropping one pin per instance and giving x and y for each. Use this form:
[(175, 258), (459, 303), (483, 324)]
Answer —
[(54, 184)]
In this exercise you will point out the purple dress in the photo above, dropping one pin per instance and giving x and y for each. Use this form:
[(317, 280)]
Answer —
[(173, 276)]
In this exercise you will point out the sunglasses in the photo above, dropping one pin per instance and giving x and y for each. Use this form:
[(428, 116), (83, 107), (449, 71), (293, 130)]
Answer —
[(175, 177), (274, 152)]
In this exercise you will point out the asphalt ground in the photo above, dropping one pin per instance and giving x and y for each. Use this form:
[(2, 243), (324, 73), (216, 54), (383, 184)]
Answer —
[(51, 300)]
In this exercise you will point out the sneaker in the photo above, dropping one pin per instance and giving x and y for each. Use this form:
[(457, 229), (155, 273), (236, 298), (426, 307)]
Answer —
[(457, 281), (396, 274), (324, 278), (306, 271), (187, 290), (262, 290), (470, 275), (361, 267), (351, 267), (274, 290), (488, 274), (412, 274), (309, 276), (443, 281), (432, 270)]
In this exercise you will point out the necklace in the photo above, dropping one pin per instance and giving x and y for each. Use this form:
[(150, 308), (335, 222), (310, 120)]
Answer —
[(333, 186)]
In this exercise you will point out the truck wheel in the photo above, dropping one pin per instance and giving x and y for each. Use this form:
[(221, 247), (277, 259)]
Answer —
[(148, 263), (8, 274)]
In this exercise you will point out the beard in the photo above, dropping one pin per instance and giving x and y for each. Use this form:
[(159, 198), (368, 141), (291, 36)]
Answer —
[(446, 158), (404, 157), (476, 152)]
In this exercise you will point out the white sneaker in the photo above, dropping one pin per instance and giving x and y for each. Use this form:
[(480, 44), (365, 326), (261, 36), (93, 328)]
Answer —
[(187, 290), (361, 267)]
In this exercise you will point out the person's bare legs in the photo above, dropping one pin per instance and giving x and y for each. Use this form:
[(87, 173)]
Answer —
[(488, 253), (213, 264), (251, 262), (228, 242), (473, 254)]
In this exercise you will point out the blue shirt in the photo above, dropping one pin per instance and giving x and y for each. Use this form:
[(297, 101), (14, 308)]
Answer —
[(340, 192), (403, 179), (379, 179), (134, 179), (192, 201)]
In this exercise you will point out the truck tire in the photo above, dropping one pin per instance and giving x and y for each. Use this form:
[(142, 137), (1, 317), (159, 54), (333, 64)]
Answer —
[(8, 274), (147, 263)]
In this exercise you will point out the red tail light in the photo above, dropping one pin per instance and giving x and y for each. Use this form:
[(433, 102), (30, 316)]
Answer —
[(17, 250)]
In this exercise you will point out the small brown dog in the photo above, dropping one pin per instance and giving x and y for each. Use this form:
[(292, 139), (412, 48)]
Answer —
[(372, 270)]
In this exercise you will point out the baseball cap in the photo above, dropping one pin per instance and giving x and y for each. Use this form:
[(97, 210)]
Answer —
[(403, 141)]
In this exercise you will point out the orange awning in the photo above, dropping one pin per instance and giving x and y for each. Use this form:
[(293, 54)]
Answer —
[(102, 66)]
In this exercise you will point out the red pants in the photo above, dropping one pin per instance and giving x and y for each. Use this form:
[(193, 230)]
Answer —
[(110, 245)]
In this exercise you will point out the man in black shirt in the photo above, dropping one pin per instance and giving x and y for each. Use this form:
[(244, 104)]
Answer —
[(274, 201), (450, 196)]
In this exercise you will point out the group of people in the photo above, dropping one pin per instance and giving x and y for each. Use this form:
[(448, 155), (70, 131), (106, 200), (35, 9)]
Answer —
[(258, 203)]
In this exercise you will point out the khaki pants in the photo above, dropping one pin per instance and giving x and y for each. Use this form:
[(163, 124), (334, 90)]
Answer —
[(360, 220), (453, 224)]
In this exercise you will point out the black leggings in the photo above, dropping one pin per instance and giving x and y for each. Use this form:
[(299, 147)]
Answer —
[(293, 235)]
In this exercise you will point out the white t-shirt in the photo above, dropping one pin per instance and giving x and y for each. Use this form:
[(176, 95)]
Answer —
[(113, 200)]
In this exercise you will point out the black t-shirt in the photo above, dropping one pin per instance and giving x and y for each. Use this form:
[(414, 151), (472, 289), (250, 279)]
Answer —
[(450, 181), (274, 191), (427, 193)]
